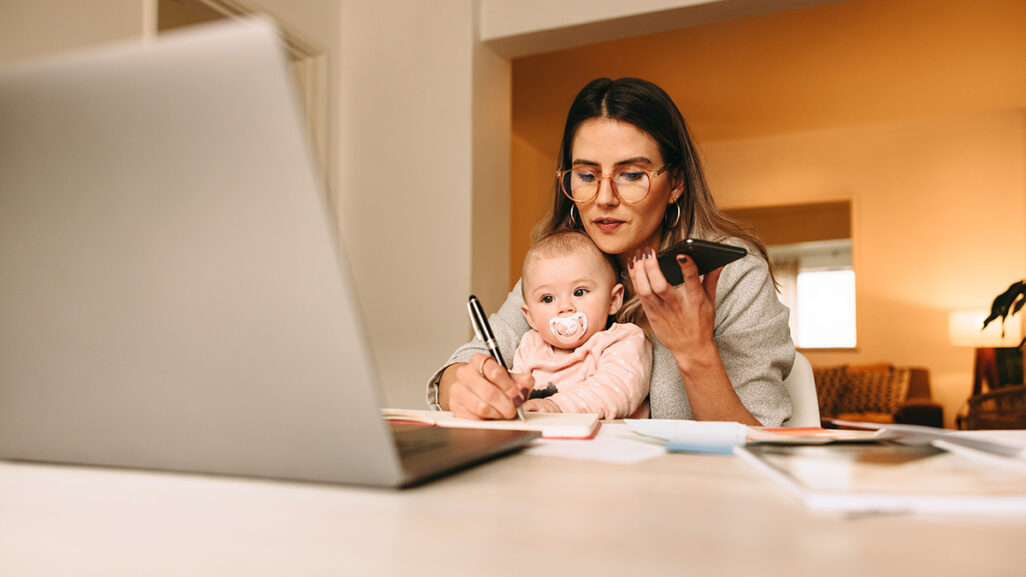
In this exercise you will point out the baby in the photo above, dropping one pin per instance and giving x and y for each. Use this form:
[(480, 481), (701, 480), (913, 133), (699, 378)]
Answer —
[(579, 364)]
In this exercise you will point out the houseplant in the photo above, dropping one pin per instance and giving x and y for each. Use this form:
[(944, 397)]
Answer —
[(1007, 304)]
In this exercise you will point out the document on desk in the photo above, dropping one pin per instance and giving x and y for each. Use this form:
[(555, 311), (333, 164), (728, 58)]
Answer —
[(723, 436), (551, 425), (891, 478)]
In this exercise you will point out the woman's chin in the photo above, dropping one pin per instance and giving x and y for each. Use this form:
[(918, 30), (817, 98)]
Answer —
[(610, 244)]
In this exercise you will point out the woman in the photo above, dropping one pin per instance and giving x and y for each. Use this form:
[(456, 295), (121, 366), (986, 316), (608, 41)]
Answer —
[(631, 179)]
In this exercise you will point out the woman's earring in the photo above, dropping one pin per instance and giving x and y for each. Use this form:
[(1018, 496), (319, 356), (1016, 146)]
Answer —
[(676, 216), (573, 219)]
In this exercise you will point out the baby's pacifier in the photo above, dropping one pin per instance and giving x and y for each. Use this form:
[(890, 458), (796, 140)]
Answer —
[(569, 329)]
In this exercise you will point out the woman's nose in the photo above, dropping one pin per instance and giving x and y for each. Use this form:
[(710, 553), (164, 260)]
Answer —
[(606, 196)]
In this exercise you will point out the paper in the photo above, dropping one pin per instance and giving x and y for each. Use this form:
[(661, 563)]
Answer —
[(722, 436), (811, 436), (551, 425), (1007, 446), (692, 436), (891, 478), (614, 443)]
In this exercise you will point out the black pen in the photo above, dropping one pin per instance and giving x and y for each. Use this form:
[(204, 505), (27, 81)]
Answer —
[(484, 332)]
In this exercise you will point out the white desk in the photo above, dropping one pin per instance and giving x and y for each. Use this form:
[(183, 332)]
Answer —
[(522, 515)]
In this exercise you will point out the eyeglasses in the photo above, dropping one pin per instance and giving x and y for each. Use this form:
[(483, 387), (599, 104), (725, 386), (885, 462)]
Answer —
[(631, 183)]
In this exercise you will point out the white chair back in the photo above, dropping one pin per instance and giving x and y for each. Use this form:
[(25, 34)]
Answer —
[(801, 385)]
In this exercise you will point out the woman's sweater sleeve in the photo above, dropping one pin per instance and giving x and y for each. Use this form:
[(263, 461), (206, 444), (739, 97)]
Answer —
[(754, 340), (754, 343), (508, 324)]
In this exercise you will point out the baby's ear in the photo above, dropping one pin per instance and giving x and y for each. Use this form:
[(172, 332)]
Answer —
[(527, 315), (616, 300)]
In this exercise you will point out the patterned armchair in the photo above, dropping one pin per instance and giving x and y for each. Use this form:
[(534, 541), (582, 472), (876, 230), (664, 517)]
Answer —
[(880, 393)]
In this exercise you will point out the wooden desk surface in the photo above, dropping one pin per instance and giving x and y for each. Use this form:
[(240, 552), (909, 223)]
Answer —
[(521, 515)]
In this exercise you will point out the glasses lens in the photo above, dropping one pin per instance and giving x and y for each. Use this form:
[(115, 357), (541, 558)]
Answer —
[(582, 184), (631, 183)]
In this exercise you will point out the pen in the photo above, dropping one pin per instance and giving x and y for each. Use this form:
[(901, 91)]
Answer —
[(484, 332)]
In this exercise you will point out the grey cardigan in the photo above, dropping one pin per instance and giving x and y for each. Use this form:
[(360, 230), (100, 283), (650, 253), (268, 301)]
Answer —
[(750, 331)]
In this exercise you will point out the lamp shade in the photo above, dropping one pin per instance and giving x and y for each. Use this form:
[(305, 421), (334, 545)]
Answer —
[(964, 330)]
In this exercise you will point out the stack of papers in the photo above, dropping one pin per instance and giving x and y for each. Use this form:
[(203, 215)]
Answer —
[(723, 436), (894, 478)]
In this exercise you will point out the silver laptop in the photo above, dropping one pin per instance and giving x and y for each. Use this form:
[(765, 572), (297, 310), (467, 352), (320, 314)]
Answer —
[(172, 294)]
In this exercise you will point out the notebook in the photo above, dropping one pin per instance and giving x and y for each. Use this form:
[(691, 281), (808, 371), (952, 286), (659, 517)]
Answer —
[(172, 293), (550, 425)]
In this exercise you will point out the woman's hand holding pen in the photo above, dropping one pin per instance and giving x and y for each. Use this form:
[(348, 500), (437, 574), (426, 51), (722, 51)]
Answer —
[(483, 389)]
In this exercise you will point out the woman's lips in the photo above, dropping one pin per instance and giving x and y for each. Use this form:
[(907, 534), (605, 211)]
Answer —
[(607, 225)]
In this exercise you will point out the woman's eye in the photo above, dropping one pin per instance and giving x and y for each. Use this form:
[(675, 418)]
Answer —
[(580, 292), (584, 176), (547, 299), (630, 176)]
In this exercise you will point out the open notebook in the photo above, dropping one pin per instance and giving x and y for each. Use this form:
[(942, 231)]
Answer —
[(551, 426)]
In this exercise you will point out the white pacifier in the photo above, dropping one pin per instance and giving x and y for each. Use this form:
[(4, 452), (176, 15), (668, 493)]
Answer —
[(569, 329)]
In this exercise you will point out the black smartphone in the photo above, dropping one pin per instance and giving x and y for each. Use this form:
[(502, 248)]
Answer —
[(707, 256)]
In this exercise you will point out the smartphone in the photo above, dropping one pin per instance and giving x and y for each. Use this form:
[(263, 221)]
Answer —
[(707, 256)]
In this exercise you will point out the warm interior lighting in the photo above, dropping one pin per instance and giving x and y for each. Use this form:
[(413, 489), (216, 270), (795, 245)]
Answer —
[(964, 330)]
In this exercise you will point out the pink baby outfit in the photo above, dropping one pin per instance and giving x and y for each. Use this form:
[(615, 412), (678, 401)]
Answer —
[(607, 375)]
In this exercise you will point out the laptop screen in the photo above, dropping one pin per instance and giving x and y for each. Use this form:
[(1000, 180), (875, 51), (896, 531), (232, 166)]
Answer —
[(172, 293)]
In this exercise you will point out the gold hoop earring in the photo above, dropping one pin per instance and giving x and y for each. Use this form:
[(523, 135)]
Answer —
[(676, 217), (573, 220)]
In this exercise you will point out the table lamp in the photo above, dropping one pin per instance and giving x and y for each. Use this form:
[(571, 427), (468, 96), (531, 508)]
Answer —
[(964, 331)]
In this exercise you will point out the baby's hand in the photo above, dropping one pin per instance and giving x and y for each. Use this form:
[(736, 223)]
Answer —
[(541, 406)]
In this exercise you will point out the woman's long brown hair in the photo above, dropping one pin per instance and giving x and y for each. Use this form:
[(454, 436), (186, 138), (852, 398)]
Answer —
[(649, 108)]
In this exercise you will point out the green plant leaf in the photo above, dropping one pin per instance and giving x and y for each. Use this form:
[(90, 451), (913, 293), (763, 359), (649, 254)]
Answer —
[(1003, 303)]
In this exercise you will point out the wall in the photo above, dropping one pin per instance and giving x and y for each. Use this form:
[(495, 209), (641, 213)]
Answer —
[(403, 153), (931, 233), (412, 97), (910, 109), (34, 29), (407, 161)]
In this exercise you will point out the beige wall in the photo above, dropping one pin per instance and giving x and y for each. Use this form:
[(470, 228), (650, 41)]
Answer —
[(33, 29), (937, 208), (403, 153)]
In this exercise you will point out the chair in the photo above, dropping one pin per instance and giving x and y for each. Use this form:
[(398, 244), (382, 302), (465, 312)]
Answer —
[(801, 385), (1003, 408)]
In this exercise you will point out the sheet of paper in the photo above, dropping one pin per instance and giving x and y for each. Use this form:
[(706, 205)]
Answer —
[(692, 436), (894, 478), (614, 443)]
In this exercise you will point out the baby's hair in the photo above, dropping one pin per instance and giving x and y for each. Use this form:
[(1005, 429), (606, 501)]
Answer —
[(563, 242)]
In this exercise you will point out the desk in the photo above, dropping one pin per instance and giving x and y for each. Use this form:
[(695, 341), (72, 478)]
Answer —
[(672, 515)]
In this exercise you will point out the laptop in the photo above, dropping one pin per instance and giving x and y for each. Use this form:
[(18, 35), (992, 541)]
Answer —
[(173, 292)]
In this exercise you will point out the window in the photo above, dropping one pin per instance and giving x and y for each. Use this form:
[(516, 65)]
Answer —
[(810, 245), (818, 284)]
